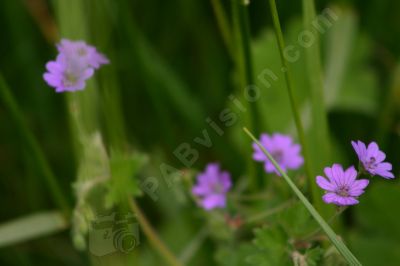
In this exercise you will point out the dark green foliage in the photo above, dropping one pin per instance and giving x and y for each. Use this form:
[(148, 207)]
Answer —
[(170, 71)]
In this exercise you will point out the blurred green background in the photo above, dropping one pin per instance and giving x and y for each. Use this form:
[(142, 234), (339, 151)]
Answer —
[(172, 70)]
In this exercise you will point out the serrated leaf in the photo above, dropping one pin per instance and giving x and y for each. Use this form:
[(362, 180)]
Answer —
[(297, 221), (313, 256), (228, 255), (123, 182), (270, 239), (271, 246)]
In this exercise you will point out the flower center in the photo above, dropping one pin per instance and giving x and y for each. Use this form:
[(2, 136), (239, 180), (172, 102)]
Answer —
[(278, 155), (343, 191), (82, 51), (217, 188), (70, 79), (371, 163)]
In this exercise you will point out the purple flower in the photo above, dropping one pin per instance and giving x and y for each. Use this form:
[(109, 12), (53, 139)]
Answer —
[(283, 150), (342, 188), (81, 51), (212, 186), (372, 159), (66, 76), (74, 64)]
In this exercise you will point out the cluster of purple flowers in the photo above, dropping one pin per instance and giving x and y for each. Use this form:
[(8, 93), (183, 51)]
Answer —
[(75, 63), (213, 184), (342, 187)]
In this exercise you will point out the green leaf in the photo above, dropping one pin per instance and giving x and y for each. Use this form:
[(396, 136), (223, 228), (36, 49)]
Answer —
[(313, 256), (33, 147), (377, 230), (164, 82), (271, 246), (296, 221), (318, 131), (31, 227), (233, 255), (123, 182), (349, 83), (341, 247)]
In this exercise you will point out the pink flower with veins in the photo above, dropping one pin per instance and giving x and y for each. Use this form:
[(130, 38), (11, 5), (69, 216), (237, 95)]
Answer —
[(341, 187), (212, 186), (282, 148), (372, 159), (75, 63)]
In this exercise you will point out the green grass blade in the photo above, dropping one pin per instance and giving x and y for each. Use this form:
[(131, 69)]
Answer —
[(341, 247), (33, 147), (160, 75), (244, 67), (319, 130), (31, 227), (244, 62), (289, 85), (223, 26)]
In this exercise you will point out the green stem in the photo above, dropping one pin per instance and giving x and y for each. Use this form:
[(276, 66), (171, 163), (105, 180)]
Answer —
[(251, 197), (337, 213), (270, 212), (194, 245), (289, 85), (33, 146), (244, 59), (244, 66), (223, 26), (319, 131), (152, 235)]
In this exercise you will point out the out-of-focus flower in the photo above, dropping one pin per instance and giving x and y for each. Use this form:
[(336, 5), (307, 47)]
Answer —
[(74, 64), (212, 186), (79, 50), (283, 150), (341, 188), (372, 159), (64, 76)]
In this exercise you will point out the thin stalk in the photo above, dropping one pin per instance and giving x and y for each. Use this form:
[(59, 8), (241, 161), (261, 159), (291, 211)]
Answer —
[(109, 93), (251, 197), (243, 50), (193, 246), (270, 212), (337, 213), (223, 26), (319, 130), (289, 85), (340, 246), (33, 146), (152, 236), (244, 66)]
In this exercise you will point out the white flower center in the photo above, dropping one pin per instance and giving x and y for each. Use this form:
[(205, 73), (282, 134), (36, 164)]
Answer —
[(343, 191), (69, 79)]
